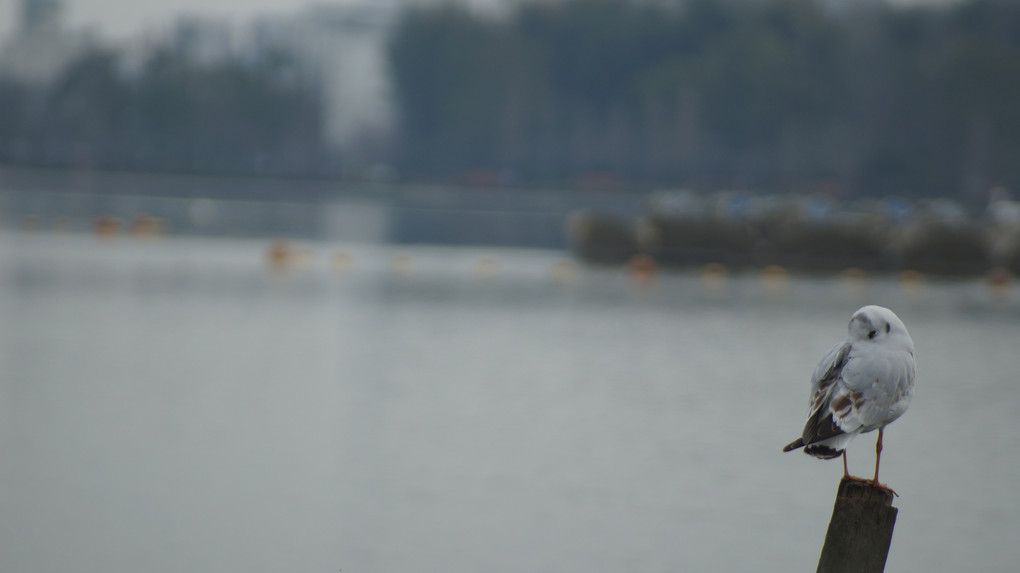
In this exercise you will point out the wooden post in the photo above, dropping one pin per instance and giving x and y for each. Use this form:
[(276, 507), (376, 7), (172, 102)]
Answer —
[(860, 531)]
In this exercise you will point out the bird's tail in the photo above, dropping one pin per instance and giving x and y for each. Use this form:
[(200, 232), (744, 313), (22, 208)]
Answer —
[(818, 450), (823, 452)]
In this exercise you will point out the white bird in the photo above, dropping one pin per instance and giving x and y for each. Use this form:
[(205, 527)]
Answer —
[(863, 384)]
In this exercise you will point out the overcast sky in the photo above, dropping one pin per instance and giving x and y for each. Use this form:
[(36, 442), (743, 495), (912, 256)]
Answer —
[(120, 18)]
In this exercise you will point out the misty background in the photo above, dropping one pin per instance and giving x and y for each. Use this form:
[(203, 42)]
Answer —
[(381, 286), (792, 96)]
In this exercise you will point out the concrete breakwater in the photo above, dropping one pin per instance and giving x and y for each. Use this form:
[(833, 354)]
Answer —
[(807, 235)]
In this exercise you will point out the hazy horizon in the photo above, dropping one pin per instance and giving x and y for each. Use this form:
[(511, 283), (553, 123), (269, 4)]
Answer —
[(119, 19)]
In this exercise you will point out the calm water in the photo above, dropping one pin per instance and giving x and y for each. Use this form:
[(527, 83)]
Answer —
[(175, 406)]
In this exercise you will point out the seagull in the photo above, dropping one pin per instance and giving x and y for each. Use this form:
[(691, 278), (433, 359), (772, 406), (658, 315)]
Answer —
[(863, 384)]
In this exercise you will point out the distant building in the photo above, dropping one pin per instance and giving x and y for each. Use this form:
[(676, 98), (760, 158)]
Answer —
[(344, 48), (41, 47)]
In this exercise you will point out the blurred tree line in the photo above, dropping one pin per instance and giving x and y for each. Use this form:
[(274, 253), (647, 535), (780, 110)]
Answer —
[(770, 95), (261, 116), (779, 95)]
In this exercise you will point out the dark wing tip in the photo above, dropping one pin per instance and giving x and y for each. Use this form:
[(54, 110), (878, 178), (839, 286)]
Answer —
[(822, 452), (798, 443)]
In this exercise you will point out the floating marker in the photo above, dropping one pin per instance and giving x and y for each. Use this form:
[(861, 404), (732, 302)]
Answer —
[(486, 267), (402, 264), (563, 271), (304, 256), (342, 262), (912, 282), (853, 280), (642, 268), (775, 279), (144, 225), (999, 280), (714, 277), (106, 226), (279, 254)]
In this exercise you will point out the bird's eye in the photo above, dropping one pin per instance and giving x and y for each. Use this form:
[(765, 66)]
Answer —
[(887, 328), (872, 334)]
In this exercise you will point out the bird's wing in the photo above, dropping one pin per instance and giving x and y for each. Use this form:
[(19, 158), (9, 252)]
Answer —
[(827, 373), (825, 386), (879, 383)]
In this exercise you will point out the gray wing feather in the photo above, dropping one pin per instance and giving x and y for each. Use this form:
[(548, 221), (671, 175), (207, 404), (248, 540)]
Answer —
[(820, 423), (828, 372)]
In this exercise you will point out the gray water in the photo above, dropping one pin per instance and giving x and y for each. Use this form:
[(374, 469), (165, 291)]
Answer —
[(174, 406)]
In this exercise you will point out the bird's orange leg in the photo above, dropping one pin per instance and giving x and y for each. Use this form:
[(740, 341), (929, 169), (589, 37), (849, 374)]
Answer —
[(846, 472), (878, 455), (878, 458)]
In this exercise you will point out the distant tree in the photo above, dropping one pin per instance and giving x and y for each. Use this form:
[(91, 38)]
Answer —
[(772, 95), (85, 112), (465, 88), (780, 94), (230, 117), (15, 107)]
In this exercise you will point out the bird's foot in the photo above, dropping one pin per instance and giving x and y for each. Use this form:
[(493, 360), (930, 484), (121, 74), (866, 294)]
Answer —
[(875, 483), (870, 482)]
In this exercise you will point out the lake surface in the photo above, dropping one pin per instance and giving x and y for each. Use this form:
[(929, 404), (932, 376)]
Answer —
[(175, 405)]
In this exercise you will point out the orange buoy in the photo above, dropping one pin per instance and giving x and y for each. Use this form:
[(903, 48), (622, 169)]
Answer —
[(279, 254), (486, 267), (342, 262), (642, 268), (912, 282), (402, 264), (853, 280), (563, 271), (106, 226), (714, 277), (144, 225), (775, 279), (999, 280)]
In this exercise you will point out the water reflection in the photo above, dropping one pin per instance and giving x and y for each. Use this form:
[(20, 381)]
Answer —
[(179, 405)]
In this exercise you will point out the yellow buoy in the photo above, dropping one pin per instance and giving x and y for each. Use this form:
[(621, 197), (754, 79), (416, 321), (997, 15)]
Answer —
[(912, 282), (279, 254), (486, 267), (563, 271), (714, 277), (775, 279), (342, 262), (402, 264), (106, 226), (999, 280), (853, 280), (304, 257), (642, 268), (144, 225)]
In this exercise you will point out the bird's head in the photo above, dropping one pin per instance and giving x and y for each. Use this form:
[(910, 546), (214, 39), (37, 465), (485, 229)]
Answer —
[(879, 325)]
